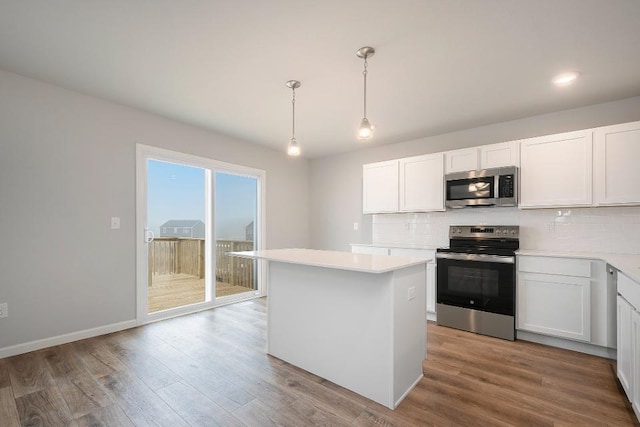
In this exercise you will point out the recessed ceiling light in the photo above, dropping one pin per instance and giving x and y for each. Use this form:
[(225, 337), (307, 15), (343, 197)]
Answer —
[(565, 79)]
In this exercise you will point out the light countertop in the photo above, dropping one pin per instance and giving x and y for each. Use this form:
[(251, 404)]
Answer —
[(627, 264), (366, 263)]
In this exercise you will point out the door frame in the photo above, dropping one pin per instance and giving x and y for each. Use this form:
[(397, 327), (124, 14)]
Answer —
[(147, 152)]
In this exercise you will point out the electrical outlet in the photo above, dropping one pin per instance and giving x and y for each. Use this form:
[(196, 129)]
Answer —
[(115, 222), (551, 226), (411, 294), (355, 226), (4, 310)]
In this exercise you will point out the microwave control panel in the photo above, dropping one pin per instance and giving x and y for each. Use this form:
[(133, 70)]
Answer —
[(506, 186)]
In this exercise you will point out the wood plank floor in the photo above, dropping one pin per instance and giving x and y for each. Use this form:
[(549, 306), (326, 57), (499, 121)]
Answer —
[(177, 290), (210, 368)]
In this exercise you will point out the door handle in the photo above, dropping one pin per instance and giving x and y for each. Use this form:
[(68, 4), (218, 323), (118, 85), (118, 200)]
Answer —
[(148, 236)]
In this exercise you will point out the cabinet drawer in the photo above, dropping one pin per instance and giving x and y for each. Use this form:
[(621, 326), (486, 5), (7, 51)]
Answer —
[(630, 290), (559, 266)]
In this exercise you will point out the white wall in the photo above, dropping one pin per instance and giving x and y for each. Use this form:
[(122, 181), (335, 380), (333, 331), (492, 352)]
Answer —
[(67, 164), (336, 181)]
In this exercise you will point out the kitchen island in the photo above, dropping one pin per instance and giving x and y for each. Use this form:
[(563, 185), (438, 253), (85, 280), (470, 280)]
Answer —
[(357, 320)]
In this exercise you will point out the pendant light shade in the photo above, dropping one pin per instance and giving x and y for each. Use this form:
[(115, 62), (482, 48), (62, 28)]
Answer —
[(365, 132), (293, 149)]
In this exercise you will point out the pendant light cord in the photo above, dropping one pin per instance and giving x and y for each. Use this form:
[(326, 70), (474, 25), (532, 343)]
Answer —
[(364, 73), (293, 116)]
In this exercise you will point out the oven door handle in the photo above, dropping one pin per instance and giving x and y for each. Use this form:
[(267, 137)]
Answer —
[(477, 257)]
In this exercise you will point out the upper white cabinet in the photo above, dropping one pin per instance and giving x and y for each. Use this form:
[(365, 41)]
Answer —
[(422, 183), (616, 164), (483, 157), (500, 155), (556, 170), (462, 160), (380, 187), (592, 167)]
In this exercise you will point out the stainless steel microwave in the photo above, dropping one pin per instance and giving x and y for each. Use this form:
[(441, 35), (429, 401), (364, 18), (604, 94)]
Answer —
[(482, 188)]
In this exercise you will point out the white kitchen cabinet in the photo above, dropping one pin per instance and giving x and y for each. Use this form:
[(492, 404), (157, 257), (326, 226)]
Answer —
[(462, 160), (628, 360), (554, 297), (616, 164), (380, 187), (555, 305), (635, 351), (500, 155), (556, 170), (624, 360), (422, 183)]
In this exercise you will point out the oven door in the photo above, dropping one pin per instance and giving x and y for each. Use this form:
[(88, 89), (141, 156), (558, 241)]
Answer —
[(480, 282)]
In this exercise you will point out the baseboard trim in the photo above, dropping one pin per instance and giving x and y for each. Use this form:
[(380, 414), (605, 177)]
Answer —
[(406, 393), (64, 339), (595, 350)]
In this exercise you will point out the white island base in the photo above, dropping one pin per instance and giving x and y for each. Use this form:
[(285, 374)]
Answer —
[(357, 320)]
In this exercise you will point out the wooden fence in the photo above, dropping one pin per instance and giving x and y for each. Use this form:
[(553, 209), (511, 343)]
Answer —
[(231, 269), (173, 255)]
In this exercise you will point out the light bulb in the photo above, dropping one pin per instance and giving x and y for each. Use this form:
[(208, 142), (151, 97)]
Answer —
[(294, 148), (366, 130), (565, 79)]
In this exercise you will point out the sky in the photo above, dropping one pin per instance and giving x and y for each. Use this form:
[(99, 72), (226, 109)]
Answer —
[(177, 191)]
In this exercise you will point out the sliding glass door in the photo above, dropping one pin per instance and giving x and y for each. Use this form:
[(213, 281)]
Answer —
[(191, 211), (177, 222), (235, 230)]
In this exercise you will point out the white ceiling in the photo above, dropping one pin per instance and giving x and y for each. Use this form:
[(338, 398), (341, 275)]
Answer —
[(440, 65)]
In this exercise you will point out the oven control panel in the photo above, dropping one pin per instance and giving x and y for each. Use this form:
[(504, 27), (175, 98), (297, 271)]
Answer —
[(484, 231)]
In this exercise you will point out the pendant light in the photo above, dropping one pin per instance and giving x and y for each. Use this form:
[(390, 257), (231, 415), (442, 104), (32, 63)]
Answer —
[(294, 148), (366, 129)]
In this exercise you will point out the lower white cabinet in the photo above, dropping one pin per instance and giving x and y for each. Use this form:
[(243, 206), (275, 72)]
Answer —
[(628, 360), (635, 331), (565, 298), (625, 351), (431, 288), (555, 305)]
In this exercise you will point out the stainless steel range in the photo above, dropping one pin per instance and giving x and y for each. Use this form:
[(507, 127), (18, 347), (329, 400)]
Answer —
[(476, 280)]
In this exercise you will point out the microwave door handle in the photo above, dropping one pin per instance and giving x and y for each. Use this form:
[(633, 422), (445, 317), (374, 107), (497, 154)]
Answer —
[(486, 205)]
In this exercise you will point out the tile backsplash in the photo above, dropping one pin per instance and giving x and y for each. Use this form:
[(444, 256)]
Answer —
[(606, 229)]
